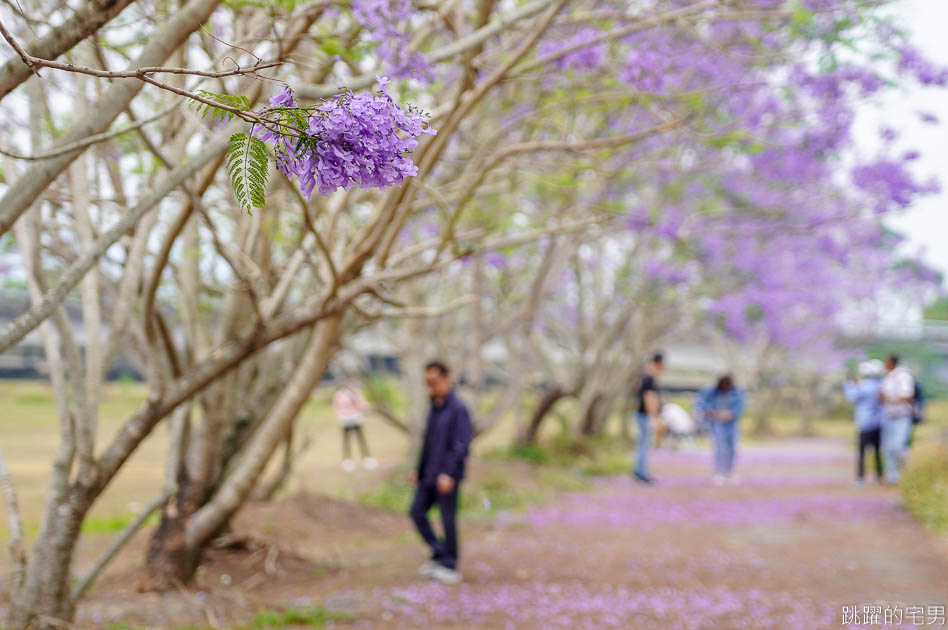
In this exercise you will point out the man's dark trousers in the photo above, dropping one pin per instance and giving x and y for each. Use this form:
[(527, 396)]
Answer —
[(444, 551)]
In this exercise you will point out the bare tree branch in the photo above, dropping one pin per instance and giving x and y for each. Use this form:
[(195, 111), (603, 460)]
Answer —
[(113, 102), (83, 23), (464, 44), (142, 73), (120, 541), (14, 525), (102, 137), (26, 322)]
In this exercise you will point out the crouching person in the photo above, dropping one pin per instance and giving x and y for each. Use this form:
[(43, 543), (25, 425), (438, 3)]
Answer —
[(448, 434)]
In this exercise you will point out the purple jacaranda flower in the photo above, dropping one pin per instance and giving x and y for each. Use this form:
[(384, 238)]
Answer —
[(352, 140), (495, 259), (283, 99), (381, 19)]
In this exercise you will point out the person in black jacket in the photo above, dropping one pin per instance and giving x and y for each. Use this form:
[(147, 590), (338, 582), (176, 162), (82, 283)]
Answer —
[(448, 434)]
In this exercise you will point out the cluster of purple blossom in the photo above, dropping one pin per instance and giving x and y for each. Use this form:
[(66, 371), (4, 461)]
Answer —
[(890, 184), (588, 54), (758, 209), (381, 19), (349, 140)]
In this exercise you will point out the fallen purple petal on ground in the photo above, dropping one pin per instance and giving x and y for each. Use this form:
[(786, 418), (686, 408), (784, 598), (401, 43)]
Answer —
[(784, 492)]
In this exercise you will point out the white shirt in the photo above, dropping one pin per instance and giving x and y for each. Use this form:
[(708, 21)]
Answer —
[(677, 418), (899, 383)]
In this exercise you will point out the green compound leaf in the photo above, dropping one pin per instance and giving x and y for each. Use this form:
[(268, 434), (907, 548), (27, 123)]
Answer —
[(241, 103), (247, 164)]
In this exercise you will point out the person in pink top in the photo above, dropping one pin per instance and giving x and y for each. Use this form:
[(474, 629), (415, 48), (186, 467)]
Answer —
[(350, 407)]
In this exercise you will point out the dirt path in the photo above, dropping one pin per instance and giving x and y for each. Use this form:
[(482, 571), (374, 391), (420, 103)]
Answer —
[(788, 547)]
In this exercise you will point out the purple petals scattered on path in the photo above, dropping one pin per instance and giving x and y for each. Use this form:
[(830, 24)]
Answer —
[(646, 511), (682, 554), (581, 605)]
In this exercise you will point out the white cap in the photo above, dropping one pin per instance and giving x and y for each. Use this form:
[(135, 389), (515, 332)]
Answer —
[(871, 368)]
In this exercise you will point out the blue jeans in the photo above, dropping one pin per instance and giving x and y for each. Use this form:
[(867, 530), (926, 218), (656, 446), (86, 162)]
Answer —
[(895, 433), (725, 435), (645, 439)]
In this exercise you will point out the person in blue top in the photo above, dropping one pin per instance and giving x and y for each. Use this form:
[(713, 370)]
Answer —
[(722, 405), (867, 412)]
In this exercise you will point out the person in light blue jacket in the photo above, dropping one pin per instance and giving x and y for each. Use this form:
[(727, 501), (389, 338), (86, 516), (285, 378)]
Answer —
[(722, 405), (867, 412)]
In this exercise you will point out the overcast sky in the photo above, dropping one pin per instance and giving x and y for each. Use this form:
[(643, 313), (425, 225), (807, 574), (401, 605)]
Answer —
[(926, 223)]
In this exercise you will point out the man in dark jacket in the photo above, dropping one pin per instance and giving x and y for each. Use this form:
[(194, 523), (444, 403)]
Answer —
[(448, 434)]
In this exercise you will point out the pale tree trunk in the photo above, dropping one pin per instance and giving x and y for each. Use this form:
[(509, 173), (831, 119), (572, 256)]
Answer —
[(518, 371), (597, 384), (518, 332), (543, 408), (195, 461), (269, 488), (604, 411), (14, 526), (44, 595), (235, 489), (479, 336), (44, 601), (127, 288), (91, 315), (28, 598), (628, 408), (589, 402), (190, 273), (413, 358), (175, 553)]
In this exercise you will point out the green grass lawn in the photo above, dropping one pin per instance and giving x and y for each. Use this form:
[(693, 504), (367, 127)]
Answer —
[(925, 485), (307, 617), (29, 437)]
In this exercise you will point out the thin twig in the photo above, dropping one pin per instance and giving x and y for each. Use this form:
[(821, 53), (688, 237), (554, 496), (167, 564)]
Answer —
[(137, 73), (323, 247), (85, 142), (243, 275), (424, 312), (27, 58), (120, 541)]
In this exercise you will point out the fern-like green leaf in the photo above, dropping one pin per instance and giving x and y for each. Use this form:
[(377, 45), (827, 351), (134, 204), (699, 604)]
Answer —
[(241, 103), (248, 164)]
